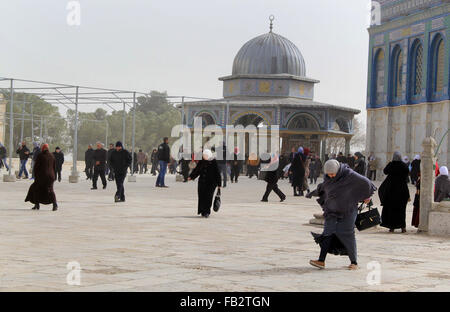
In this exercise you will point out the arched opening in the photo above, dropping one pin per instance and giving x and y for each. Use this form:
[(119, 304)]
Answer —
[(250, 119), (436, 79), (396, 77), (207, 119), (378, 79), (341, 125), (303, 122), (416, 71)]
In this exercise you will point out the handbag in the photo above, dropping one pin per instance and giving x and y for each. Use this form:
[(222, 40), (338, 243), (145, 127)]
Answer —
[(217, 201), (368, 219)]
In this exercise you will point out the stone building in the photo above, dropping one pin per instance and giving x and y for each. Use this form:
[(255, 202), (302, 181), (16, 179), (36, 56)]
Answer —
[(408, 78), (269, 86)]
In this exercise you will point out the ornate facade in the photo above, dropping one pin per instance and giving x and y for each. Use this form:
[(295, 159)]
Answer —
[(269, 85), (408, 78)]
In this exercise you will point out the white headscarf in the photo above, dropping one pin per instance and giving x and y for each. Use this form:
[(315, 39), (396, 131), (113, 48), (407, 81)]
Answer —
[(417, 157), (443, 171), (405, 159), (207, 154), (331, 166)]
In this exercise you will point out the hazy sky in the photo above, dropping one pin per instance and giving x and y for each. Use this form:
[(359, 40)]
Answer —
[(182, 46)]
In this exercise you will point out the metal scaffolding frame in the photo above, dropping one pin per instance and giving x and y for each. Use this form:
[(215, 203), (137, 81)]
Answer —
[(69, 96)]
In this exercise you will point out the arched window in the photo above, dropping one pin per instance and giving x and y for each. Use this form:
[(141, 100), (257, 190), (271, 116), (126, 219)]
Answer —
[(396, 75), (437, 66), (378, 78), (207, 119), (416, 70), (303, 122)]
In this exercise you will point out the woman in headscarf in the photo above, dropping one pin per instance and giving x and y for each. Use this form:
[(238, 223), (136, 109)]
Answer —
[(415, 169), (360, 163), (209, 179), (297, 170), (271, 177), (394, 194), (442, 185), (339, 196), (41, 191), (416, 211), (307, 162)]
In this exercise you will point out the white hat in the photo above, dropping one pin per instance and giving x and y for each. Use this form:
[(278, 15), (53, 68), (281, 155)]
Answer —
[(207, 154)]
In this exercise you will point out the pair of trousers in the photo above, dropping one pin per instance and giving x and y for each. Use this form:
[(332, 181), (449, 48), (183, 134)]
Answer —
[(372, 173), (5, 164), (162, 173), (223, 171), (88, 171), (98, 172), (235, 170), (58, 174), (120, 178), (111, 174), (141, 168), (273, 187), (23, 168), (344, 229)]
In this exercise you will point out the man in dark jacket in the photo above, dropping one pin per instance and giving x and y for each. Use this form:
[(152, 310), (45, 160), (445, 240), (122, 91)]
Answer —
[(99, 157), (59, 160), (3, 154), (89, 161), (111, 171), (120, 161), (24, 153), (271, 177), (360, 164), (341, 158), (164, 159), (154, 160)]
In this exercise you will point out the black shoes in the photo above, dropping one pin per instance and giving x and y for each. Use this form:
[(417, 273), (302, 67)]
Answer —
[(55, 207), (104, 187), (282, 199), (116, 199), (264, 200), (93, 188), (35, 208), (206, 215)]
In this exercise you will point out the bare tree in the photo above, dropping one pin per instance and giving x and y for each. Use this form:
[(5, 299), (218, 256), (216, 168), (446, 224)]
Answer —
[(336, 145)]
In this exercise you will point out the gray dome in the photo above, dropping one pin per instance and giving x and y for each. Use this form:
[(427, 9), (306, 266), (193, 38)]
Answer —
[(269, 54)]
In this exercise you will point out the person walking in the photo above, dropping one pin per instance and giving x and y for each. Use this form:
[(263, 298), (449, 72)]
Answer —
[(145, 163), (120, 161), (415, 169), (110, 169), (317, 169), (41, 191), (360, 164), (372, 168), (416, 211), (89, 162), (271, 177), (164, 159), (34, 154), (140, 161), (222, 162), (209, 179), (24, 154), (3, 154), (59, 161), (252, 165), (100, 157), (339, 195), (442, 185), (394, 194), (154, 161), (297, 170), (307, 161), (236, 165)]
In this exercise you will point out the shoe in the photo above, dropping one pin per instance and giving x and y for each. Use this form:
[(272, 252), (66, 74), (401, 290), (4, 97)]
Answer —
[(353, 267), (35, 208), (403, 230), (283, 199), (391, 230), (206, 215), (317, 264), (264, 200), (157, 186), (116, 199), (164, 186), (55, 208), (104, 187), (122, 200), (93, 188)]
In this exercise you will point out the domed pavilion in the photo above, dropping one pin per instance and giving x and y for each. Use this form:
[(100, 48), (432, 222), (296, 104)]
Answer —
[(269, 86)]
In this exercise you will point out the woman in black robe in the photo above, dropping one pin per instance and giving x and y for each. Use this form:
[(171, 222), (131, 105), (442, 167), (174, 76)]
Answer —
[(415, 169), (442, 185), (41, 191), (339, 196), (394, 194), (209, 179), (297, 170)]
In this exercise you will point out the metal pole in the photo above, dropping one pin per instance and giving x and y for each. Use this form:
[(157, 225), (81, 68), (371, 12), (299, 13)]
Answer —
[(75, 136), (32, 122), (40, 130), (133, 134), (23, 119), (106, 139), (11, 125), (123, 125)]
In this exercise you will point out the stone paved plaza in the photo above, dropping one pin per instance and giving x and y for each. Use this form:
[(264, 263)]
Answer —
[(155, 242)]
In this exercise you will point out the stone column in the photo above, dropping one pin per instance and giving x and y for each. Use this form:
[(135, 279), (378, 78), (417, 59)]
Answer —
[(347, 145), (426, 181), (323, 148)]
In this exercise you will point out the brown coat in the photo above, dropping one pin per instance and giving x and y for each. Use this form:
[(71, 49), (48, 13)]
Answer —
[(41, 191)]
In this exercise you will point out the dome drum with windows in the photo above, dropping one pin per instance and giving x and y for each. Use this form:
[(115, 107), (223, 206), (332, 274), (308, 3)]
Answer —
[(268, 86)]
